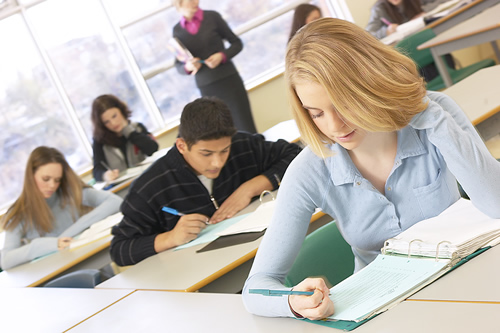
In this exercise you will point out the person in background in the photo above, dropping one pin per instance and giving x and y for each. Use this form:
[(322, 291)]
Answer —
[(203, 33), (382, 155), (304, 14), (386, 15), (210, 174), (54, 206), (119, 143)]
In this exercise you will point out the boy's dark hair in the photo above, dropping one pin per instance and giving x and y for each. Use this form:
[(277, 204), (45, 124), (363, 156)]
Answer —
[(205, 118)]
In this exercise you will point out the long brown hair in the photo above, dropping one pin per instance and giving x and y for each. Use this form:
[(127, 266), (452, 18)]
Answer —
[(300, 15), (100, 105), (370, 84), (411, 9), (31, 207)]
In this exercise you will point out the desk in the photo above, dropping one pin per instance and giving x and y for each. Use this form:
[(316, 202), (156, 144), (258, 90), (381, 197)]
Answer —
[(477, 280), (186, 270), (187, 312), (200, 312), (460, 15), (479, 96), (37, 272), (286, 130), (482, 28), (51, 309)]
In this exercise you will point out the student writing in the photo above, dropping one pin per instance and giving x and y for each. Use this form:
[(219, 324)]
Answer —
[(382, 155), (210, 174), (119, 143), (54, 206)]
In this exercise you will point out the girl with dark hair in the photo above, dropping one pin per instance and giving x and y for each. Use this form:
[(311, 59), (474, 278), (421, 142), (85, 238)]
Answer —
[(119, 144), (304, 13)]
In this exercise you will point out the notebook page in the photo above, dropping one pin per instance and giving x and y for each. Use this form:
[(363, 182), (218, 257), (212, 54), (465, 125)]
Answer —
[(375, 287)]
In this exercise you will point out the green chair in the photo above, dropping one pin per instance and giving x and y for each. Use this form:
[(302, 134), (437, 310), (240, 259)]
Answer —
[(424, 57), (324, 253)]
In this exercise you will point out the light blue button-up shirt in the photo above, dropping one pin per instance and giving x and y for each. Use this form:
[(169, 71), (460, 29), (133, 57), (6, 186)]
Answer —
[(437, 148)]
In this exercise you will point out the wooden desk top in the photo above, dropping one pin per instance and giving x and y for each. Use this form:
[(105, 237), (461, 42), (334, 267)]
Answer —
[(454, 14), (478, 95), (52, 309), (186, 270), (187, 312), (35, 273), (482, 22)]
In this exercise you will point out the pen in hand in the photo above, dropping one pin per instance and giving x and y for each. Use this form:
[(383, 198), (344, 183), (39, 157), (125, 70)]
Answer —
[(385, 21), (175, 212), (105, 165), (270, 292)]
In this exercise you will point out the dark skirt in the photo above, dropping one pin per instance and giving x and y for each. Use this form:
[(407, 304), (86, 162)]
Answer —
[(232, 91)]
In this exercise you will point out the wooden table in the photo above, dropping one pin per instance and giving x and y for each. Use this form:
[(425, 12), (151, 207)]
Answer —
[(51, 309), (482, 28), (477, 280), (37, 272), (479, 96), (186, 270), (460, 15)]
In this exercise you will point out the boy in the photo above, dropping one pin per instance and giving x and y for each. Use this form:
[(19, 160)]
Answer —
[(210, 174)]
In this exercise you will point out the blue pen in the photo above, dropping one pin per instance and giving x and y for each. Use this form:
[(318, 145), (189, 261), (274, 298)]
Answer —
[(270, 292), (172, 211), (201, 61)]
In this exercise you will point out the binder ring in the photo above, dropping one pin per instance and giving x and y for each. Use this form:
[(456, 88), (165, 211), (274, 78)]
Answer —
[(437, 248), (264, 193), (386, 243), (409, 246)]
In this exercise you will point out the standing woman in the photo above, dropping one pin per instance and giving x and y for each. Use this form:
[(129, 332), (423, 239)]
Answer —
[(386, 15), (54, 206), (203, 33), (304, 13), (382, 155), (118, 143)]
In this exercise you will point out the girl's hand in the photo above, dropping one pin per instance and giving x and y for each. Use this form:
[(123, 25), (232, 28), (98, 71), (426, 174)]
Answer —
[(63, 243), (314, 307)]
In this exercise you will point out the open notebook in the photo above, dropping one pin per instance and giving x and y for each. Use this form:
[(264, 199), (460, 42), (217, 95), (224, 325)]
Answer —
[(96, 231), (414, 259)]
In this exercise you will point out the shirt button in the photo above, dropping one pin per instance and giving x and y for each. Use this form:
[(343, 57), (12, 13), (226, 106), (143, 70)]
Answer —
[(358, 183), (389, 188)]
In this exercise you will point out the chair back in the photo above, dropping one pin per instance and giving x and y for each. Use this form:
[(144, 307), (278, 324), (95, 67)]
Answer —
[(324, 253), (85, 278), (409, 45)]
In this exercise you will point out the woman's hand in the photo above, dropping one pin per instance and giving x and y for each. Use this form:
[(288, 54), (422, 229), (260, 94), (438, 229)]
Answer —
[(63, 243), (314, 307), (392, 28), (111, 175), (193, 65), (214, 60)]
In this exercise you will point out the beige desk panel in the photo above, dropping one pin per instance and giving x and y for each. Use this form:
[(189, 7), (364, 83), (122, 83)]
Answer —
[(187, 312), (477, 280), (479, 94), (51, 309), (427, 317)]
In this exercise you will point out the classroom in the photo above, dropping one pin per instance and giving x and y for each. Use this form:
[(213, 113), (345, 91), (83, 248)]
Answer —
[(67, 64)]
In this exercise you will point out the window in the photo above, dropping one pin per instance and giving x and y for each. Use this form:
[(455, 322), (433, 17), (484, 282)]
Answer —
[(58, 55)]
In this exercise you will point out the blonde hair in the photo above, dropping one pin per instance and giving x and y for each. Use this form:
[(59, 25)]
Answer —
[(31, 207), (370, 84)]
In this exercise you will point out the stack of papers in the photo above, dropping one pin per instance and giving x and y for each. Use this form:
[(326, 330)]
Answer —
[(446, 8), (404, 30), (457, 232), (96, 231)]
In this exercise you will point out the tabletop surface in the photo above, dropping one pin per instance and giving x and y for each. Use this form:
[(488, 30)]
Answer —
[(479, 94), (486, 20)]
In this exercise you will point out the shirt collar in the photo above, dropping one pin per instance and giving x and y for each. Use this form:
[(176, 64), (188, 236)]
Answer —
[(197, 18), (344, 171)]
